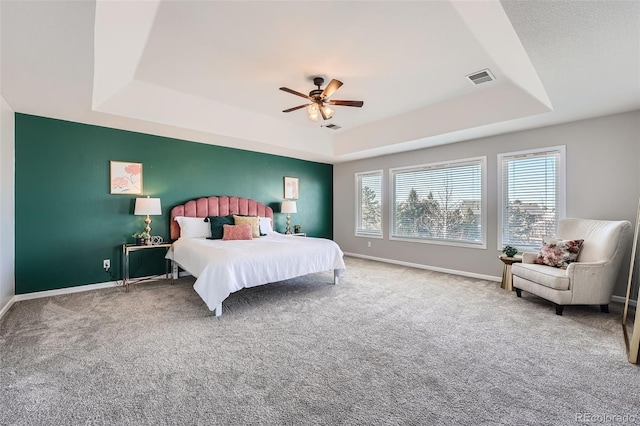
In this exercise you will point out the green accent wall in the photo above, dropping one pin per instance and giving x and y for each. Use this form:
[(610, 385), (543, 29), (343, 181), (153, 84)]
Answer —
[(67, 222)]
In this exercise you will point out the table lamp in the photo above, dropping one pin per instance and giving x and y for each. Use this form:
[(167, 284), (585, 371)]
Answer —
[(147, 206), (288, 207)]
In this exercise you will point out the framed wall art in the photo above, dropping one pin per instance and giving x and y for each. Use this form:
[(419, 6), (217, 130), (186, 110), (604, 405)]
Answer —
[(125, 177), (291, 191)]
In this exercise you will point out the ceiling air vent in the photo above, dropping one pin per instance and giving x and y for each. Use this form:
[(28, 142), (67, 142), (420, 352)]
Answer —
[(333, 126), (481, 77)]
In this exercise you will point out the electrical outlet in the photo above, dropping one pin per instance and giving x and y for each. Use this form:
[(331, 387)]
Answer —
[(106, 264), (368, 243)]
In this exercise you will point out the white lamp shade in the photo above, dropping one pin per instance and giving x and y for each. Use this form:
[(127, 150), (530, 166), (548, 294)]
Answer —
[(147, 206), (288, 207)]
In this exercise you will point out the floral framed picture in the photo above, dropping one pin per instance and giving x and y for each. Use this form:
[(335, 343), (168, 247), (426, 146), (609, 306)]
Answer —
[(126, 178), (291, 188)]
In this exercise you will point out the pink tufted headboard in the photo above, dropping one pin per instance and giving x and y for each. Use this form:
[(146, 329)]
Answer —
[(217, 206)]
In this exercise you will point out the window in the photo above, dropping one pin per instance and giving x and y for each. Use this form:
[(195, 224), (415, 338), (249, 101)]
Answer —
[(442, 203), (531, 188), (369, 204)]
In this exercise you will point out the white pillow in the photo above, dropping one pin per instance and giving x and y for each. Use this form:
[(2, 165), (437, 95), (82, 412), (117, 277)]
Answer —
[(265, 225), (193, 227)]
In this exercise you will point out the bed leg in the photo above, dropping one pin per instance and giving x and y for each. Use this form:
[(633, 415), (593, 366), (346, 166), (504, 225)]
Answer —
[(174, 270), (336, 277), (219, 309)]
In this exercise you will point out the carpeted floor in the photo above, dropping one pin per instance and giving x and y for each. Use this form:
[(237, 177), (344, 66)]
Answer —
[(389, 345)]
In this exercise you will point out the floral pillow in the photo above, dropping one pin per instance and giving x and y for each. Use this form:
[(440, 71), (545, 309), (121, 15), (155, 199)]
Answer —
[(237, 232), (558, 253)]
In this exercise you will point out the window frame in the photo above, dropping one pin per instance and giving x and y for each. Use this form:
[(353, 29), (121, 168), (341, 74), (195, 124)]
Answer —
[(482, 162), (561, 187), (358, 203)]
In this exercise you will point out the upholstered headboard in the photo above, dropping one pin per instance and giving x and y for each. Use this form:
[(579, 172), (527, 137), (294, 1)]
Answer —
[(217, 206)]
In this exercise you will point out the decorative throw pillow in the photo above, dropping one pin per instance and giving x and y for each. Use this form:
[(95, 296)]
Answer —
[(250, 220), (193, 227), (216, 223), (265, 226), (558, 253), (236, 232)]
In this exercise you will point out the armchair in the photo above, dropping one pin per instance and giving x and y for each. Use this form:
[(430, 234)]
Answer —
[(588, 281)]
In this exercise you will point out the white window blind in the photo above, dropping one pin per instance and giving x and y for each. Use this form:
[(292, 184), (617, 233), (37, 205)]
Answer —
[(369, 203), (442, 203), (531, 196)]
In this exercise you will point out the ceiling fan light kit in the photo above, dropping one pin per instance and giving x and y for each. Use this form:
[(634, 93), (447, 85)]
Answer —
[(313, 111), (318, 97)]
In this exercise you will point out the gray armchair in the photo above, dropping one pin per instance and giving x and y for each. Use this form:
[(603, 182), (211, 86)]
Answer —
[(588, 281)]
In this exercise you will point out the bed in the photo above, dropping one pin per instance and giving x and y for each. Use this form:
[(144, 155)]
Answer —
[(224, 266)]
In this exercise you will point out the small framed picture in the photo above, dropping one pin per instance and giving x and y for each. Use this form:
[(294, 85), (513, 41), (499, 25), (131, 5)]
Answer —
[(291, 188), (125, 178)]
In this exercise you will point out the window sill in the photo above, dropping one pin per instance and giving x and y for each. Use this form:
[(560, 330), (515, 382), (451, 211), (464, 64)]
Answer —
[(377, 236), (481, 246)]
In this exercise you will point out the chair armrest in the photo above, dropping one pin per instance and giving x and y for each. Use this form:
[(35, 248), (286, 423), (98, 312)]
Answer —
[(591, 282), (529, 256), (585, 269), (580, 265)]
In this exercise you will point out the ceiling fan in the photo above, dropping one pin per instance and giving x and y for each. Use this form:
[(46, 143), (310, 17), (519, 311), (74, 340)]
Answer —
[(319, 97)]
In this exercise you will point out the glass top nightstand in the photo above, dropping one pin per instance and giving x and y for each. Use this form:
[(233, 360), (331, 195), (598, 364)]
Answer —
[(127, 249)]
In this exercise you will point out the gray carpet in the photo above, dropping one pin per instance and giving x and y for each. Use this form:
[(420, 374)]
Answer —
[(389, 345)]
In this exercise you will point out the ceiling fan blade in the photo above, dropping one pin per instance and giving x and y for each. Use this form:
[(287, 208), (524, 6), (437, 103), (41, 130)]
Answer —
[(347, 103), (293, 92), (294, 108), (331, 87), (322, 113)]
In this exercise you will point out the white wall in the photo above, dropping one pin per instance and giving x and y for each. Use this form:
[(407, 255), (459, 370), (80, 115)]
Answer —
[(7, 201), (603, 182), (7, 197)]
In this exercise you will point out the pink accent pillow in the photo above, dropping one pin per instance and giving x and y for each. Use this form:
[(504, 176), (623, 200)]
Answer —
[(236, 232), (558, 253)]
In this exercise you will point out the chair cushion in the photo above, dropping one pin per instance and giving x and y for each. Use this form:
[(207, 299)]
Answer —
[(547, 276)]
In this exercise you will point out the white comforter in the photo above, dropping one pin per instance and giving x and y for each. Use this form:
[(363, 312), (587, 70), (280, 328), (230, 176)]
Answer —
[(223, 267)]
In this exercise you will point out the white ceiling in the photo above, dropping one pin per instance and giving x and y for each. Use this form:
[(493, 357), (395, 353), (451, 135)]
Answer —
[(210, 71)]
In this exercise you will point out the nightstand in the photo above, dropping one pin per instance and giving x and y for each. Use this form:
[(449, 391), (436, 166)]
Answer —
[(127, 249), (299, 234)]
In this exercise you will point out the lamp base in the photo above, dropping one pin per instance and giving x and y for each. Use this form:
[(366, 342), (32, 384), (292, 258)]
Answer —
[(288, 230), (147, 229)]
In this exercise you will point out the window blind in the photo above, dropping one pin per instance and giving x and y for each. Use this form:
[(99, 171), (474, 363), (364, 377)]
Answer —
[(369, 203), (531, 196), (439, 202)]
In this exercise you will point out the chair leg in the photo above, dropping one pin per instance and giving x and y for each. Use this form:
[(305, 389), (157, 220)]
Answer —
[(518, 292), (559, 309), (604, 308)]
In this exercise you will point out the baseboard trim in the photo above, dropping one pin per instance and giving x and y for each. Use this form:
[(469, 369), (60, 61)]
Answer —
[(78, 289), (620, 299), (67, 290), (7, 306), (56, 292), (427, 267)]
